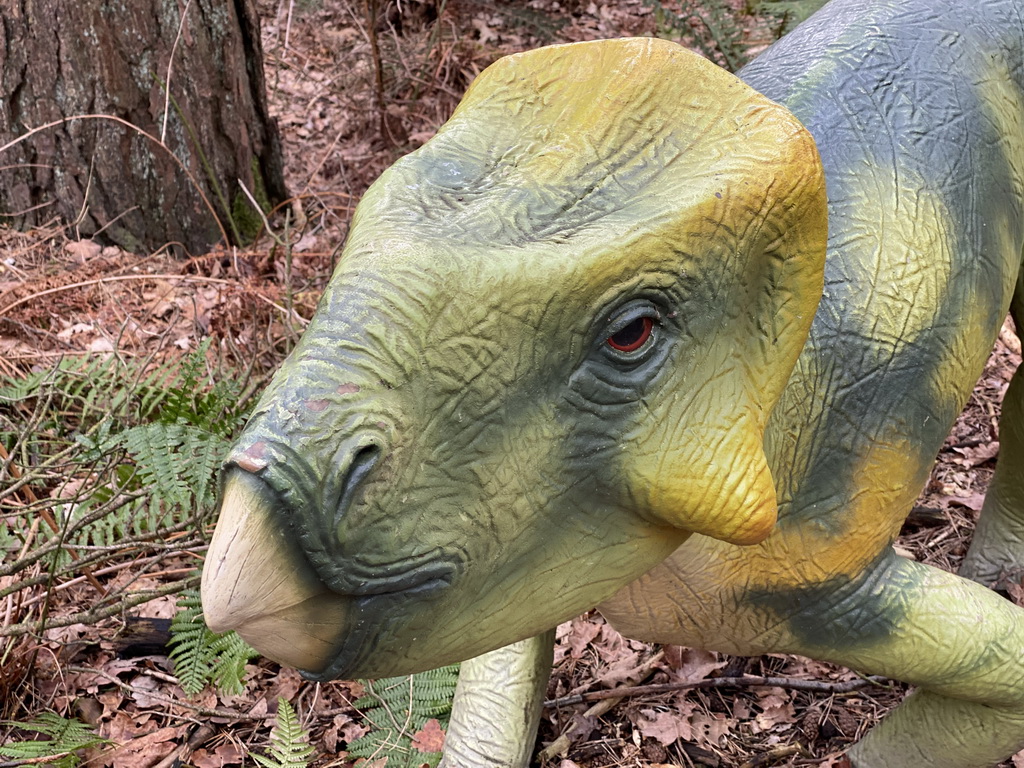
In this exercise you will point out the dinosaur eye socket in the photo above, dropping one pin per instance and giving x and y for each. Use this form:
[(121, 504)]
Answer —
[(633, 336)]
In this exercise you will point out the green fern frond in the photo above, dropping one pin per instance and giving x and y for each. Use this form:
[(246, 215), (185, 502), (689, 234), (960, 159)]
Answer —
[(201, 656), (289, 743), (396, 708), (179, 461), (789, 12), (708, 25), (156, 449), (66, 737), (190, 644), (186, 400), (180, 403), (232, 654)]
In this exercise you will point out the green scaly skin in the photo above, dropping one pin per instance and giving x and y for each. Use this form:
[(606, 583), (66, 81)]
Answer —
[(456, 459)]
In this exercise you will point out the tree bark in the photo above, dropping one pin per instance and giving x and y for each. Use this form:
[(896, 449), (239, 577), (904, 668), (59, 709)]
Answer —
[(196, 86)]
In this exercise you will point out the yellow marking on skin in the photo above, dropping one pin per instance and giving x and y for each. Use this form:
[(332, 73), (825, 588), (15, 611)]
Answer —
[(691, 598), (888, 477), (899, 252), (910, 254)]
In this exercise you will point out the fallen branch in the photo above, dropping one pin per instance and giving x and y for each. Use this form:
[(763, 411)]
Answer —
[(747, 681), (775, 755), (96, 614), (561, 745), (33, 760)]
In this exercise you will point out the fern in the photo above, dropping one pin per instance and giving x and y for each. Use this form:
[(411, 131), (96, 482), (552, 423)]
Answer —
[(709, 25), (178, 461), (289, 743), (174, 455), (789, 12), (66, 737), (201, 656), (397, 708)]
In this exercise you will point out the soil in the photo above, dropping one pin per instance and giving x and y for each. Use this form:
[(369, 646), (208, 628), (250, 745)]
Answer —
[(61, 296)]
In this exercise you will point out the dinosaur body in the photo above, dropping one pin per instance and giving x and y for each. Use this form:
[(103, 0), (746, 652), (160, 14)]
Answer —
[(589, 342)]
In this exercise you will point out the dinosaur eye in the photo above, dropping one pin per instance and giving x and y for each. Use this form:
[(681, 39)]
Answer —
[(633, 336)]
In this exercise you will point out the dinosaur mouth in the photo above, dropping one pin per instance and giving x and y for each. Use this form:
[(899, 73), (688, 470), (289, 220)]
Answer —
[(421, 574)]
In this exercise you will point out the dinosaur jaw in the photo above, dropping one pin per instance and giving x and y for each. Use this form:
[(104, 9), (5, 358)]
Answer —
[(258, 582)]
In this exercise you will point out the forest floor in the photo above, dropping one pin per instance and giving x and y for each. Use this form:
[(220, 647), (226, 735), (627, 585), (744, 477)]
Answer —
[(61, 296)]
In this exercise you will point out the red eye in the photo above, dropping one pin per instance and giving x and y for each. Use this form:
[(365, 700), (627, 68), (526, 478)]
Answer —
[(633, 336)]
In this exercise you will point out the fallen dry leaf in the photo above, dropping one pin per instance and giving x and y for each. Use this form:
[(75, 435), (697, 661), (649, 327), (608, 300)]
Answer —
[(776, 710), (430, 738), (694, 664), (975, 455), (710, 728), (665, 727), (83, 250), (973, 501), (225, 754), (147, 750)]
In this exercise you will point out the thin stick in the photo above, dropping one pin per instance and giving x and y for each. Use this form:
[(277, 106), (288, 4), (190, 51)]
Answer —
[(170, 72), (92, 616), (561, 745), (378, 67), (747, 681), (776, 754), (34, 760), (117, 278), (202, 711), (47, 516)]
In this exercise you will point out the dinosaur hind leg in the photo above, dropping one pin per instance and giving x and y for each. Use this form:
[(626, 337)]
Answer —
[(958, 641), (996, 554), (961, 644)]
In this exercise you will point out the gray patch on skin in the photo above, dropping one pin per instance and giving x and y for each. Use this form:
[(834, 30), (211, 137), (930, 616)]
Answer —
[(841, 613)]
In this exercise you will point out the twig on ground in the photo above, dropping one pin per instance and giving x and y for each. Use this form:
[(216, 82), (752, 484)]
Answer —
[(773, 755), (94, 615), (200, 736), (561, 745), (116, 278), (747, 681), (33, 760)]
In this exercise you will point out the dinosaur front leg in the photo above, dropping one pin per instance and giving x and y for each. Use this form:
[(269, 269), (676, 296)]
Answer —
[(498, 705), (962, 644)]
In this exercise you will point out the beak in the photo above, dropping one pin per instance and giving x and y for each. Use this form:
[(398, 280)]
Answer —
[(258, 582)]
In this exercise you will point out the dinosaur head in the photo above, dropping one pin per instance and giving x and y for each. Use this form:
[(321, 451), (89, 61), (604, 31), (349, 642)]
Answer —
[(547, 356)]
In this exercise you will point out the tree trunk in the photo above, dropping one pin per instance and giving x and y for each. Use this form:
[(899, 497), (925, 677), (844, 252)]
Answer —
[(196, 86)]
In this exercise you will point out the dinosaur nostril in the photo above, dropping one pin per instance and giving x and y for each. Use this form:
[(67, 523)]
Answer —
[(362, 463)]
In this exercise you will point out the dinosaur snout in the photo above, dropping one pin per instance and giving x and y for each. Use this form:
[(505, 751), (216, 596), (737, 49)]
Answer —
[(258, 581), (301, 557)]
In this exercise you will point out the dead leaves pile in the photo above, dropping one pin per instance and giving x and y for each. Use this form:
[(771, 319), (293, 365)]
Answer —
[(710, 727)]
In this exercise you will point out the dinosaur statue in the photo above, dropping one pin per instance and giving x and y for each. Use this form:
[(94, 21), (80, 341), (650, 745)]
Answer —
[(603, 341)]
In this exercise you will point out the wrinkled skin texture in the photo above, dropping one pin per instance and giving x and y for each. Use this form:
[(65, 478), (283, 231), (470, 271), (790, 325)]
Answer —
[(460, 473), (455, 459)]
